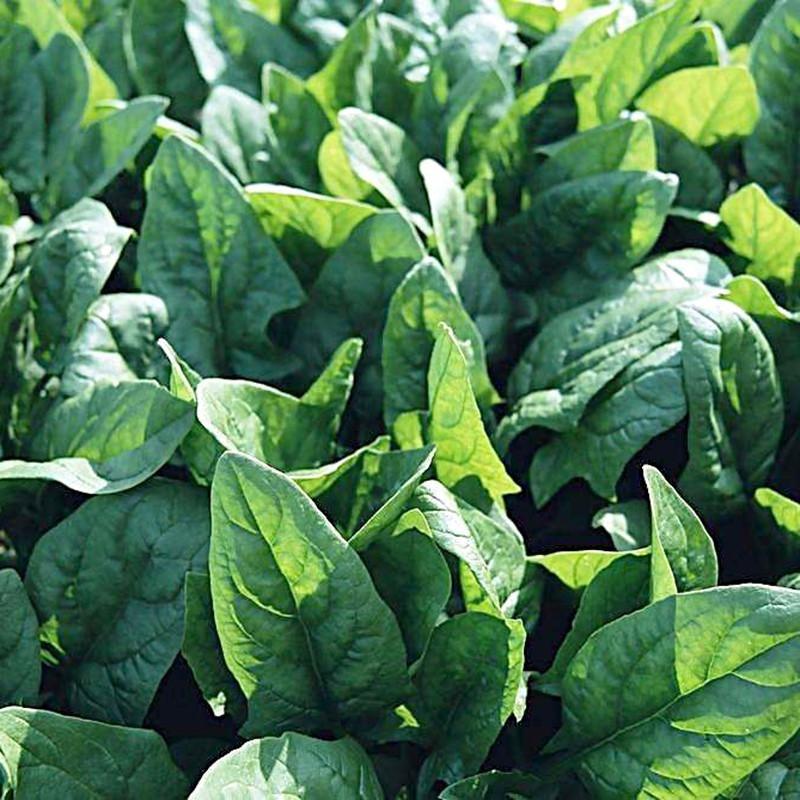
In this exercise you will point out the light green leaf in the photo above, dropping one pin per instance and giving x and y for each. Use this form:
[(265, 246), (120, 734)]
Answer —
[(576, 569), (382, 155), (106, 439), (735, 405), (120, 560), (20, 667), (726, 697), (425, 298), (643, 401), (302, 628), (306, 226), (45, 754), (678, 533), (277, 428), (764, 234), (467, 684), (614, 71), (463, 450), (199, 232), (708, 105), (292, 765)]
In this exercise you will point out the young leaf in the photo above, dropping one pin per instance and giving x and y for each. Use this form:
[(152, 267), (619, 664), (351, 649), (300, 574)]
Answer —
[(278, 429), (463, 450), (678, 531), (425, 298)]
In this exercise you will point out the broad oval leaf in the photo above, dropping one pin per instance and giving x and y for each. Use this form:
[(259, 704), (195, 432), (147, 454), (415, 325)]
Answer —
[(20, 666), (302, 628), (292, 765)]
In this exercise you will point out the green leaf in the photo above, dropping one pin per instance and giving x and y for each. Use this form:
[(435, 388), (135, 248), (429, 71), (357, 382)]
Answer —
[(232, 40), (412, 577), (778, 325), (467, 685), (764, 235), (43, 753), (199, 232), (69, 267), (460, 248), (106, 439), (580, 351), (107, 584), (277, 428), (735, 405), (708, 105), (46, 22), (424, 299), (600, 226), (104, 149), (302, 628), (22, 135), (781, 533), (627, 523), (382, 155), (292, 765), (626, 144), (701, 185), (614, 71), (463, 450), (620, 586), (306, 226), (724, 701), (159, 56), (772, 153), (679, 533), (350, 298), (203, 652), (297, 125), (20, 667), (199, 448), (643, 401), (435, 511), (117, 341)]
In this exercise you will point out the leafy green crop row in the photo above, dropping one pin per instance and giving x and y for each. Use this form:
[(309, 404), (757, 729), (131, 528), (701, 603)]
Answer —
[(399, 399)]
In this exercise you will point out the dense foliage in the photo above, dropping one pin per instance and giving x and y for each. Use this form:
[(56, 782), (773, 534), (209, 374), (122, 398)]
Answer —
[(399, 400)]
